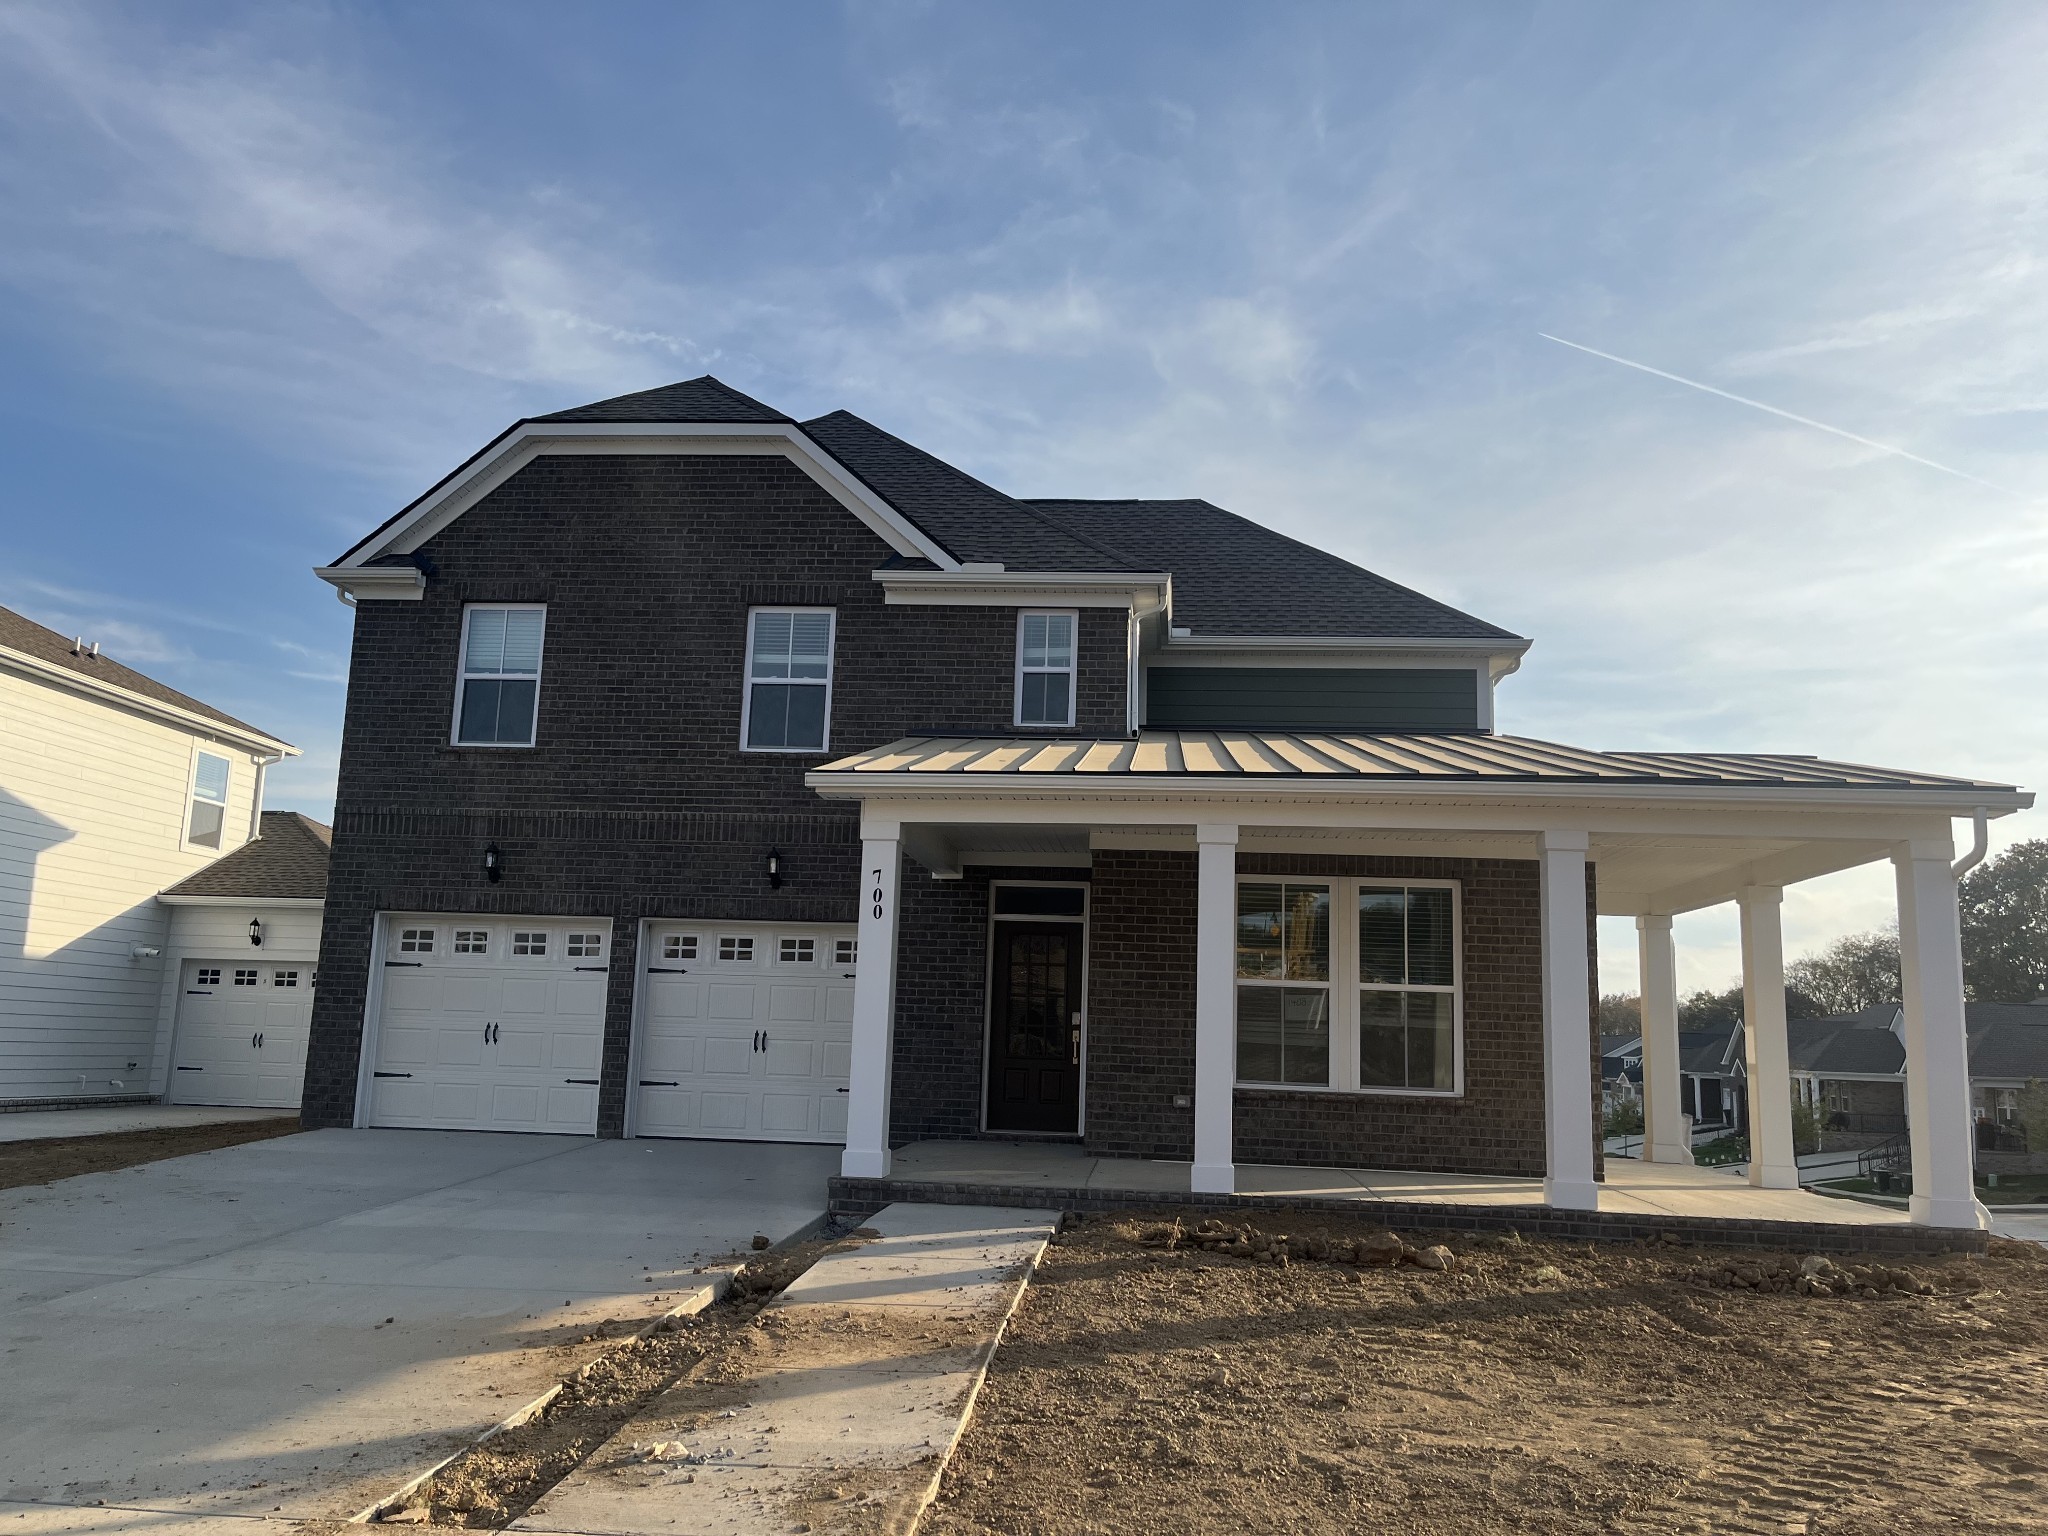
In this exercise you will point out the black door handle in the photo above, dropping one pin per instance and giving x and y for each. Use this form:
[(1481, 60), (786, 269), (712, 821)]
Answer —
[(391, 1074), (252, 1042), (665, 970), (259, 1039), (650, 1082), (593, 967), (415, 964), (589, 1080)]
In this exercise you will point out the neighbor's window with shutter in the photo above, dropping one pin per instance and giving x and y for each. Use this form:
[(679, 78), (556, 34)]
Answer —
[(498, 694), (209, 811), (1045, 668), (788, 704)]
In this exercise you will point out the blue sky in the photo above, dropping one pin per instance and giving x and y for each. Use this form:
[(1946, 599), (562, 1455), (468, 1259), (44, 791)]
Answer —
[(267, 271)]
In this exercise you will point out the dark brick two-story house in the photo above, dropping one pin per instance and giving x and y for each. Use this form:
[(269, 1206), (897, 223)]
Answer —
[(711, 774)]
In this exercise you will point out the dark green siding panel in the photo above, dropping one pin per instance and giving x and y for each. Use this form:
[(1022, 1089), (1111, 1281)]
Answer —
[(1313, 698)]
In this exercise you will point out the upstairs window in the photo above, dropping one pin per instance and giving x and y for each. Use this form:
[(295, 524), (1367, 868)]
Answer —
[(789, 680), (1045, 668), (499, 690), (209, 813)]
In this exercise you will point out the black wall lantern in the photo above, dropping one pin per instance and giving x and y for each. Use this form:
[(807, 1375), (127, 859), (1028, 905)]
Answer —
[(256, 931), (493, 863), (774, 869)]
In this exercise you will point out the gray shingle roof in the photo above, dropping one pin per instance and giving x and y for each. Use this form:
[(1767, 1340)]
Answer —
[(32, 639), (2008, 1040), (288, 862), (975, 522), (1704, 1052), (1858, 1043), (1232, 576), (692, 400)]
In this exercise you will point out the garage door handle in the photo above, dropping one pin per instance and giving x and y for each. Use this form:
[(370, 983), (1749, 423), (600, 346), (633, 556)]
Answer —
[(842, 1090), (391, 1074), (191, 1069), (590, 1080), (651, 1082), (190, 993), (664, 970), (415, 964), (593, 967)]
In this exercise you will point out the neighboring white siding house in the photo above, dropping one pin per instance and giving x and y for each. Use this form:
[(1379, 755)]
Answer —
[(112, 787)]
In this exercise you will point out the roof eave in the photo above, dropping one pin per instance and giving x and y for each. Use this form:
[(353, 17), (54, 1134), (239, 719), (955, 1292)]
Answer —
[(172, 714), (170, 899)]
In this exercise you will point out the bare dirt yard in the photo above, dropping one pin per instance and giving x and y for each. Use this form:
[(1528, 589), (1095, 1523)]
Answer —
[(1154, 1383), (60, 1157)]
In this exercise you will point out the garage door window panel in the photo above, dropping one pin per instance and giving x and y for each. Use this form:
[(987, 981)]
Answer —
[(498, 692)]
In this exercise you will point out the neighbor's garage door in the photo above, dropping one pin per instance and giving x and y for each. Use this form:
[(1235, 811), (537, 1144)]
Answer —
[(491, 1024), (241, 1033), (747, 1032)]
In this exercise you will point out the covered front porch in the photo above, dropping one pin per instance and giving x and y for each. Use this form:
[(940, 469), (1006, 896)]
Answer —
[(1185, 837)]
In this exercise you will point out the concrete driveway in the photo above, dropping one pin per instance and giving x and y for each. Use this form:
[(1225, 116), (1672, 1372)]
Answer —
[(287, 1329)]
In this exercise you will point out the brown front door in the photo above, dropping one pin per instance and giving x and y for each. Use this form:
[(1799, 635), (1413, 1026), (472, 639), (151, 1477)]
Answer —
[(1034, 1053)]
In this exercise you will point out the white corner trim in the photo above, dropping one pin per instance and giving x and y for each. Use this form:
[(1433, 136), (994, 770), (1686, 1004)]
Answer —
[(245, 737), (517, 447)]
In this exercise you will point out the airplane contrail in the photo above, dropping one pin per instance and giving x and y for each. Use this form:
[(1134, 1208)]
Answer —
[(1804, 421)]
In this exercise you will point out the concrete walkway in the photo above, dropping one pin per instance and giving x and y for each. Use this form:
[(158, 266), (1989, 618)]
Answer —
[(864, 1374), (1669, 1189), (105, 1119), (291, 1328)]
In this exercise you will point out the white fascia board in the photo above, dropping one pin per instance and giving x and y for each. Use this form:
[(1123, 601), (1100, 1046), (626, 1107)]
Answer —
[(376, 583), (246, 737), (517, 448), (1906, 812), (308, 903), (1142, 592), (1500, 656)]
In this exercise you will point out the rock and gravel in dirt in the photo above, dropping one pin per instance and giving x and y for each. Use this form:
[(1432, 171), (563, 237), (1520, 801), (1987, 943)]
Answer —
[(41, 1161), (1308, 1373)]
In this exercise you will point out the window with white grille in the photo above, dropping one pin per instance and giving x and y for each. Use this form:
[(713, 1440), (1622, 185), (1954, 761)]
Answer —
[(798, 951), (472, 941), (209, 813), (1045, 668), (730, 948), (285, 979), (416, 941), (245, 978), (582, 946), (524, 943), (209, 978), (679, 946), (846, 952), (497, 695), (789, 680)]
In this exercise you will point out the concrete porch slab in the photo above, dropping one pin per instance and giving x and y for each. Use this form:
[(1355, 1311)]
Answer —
[(290, 1328), (864, 1375), (1637, 1199)]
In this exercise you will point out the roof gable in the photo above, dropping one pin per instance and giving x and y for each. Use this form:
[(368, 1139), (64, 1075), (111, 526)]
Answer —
[(702, 399)]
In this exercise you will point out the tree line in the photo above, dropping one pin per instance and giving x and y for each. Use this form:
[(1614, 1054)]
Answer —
[(2005, 956)]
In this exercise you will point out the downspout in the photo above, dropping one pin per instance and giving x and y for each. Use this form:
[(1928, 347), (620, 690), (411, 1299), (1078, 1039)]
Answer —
[(1975, 856), (263, 764)]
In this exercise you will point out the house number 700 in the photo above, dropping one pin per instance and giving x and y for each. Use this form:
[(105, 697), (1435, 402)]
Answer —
[(878, 893)]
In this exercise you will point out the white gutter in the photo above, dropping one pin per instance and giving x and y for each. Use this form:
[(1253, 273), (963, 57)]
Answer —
[(263, 766)]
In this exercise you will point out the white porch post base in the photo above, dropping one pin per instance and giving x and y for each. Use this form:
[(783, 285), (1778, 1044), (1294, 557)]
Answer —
[(1938, 1117), (1666, 1137), (1568, 1181), (1766, 1052), (1215, 1171), (874, 1005)]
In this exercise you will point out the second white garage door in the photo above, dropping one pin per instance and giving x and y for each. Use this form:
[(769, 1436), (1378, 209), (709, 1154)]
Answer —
[(747, 1032), (491, 1024), (242, 1033)]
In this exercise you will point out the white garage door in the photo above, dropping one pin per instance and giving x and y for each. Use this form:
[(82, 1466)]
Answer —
[(491, 1024), (242, 1033), (747, 1032)]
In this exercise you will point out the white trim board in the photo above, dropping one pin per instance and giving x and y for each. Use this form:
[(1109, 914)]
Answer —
[(519, 446)]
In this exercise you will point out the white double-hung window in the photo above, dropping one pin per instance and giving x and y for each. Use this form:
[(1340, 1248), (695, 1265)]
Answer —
[(1045, 668), (1349, 984), (497, 695), (788, 704), (208, 814)]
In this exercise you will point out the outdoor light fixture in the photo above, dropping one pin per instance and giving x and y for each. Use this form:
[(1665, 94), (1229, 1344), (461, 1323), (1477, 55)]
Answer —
[(492, 862), (774, 870), (256, 931)]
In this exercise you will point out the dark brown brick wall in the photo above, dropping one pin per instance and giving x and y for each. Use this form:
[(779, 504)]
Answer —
[(1141, 1028), (637, 801)]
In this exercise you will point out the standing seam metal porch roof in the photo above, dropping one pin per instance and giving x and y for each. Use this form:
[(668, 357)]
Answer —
[(1347, 755)]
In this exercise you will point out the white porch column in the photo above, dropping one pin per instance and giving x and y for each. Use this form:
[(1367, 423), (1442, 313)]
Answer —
[(1937, 1045), (1766, 1055), (1215, 1173), (874, 1004), (1664, 1134), (1567, 1025)]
